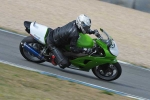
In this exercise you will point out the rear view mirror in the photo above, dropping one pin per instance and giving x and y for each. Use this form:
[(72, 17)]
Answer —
[(101, 29)]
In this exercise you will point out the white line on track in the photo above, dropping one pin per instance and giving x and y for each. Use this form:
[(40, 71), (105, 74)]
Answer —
[(12, 33)]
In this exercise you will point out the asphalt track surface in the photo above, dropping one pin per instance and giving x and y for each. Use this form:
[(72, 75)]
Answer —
[(134, 80)]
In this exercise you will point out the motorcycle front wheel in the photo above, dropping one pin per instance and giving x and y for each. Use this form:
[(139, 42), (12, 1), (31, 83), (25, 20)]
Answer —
[(107, 72)]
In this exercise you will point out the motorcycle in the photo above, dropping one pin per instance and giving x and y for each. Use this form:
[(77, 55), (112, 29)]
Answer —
[(102, 61)]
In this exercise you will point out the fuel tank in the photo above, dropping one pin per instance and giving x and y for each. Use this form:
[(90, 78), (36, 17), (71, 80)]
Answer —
[(85, 41)]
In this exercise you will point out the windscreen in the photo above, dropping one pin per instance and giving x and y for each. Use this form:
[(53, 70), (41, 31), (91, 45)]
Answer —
[(106, 38)]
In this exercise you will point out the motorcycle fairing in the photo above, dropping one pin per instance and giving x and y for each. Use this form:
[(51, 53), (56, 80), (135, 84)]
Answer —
[(87, 62), (38, 31)]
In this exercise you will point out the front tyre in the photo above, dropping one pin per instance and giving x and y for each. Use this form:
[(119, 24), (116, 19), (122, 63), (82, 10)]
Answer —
[(107, 72), (33, 43)]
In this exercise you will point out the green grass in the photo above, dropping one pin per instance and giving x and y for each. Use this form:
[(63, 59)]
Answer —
[(108, 93), (20, 84)]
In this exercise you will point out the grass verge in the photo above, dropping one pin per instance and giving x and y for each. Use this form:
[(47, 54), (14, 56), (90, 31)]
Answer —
[(20, 84)]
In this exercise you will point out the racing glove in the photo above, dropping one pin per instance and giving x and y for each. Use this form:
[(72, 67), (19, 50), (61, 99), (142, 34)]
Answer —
[(96, 33), (93, 31)]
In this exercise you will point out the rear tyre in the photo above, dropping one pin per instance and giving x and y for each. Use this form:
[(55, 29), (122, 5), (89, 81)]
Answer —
[(107, 72), (32, 42)]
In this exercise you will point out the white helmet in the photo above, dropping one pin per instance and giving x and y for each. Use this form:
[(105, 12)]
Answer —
[(84, 23)]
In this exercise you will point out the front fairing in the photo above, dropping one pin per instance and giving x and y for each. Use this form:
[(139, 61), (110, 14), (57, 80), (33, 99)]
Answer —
[(108, 44), (90, 61), (110, 49), (110, 54)]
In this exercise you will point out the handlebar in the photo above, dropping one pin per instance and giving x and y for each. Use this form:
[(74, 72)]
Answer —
[(97, 34)]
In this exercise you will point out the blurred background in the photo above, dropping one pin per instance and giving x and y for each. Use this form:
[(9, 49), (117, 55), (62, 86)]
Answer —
[(129, 27), (142, 5)]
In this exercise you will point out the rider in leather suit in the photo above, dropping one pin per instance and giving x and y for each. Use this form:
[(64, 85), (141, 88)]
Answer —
[(69, 34)]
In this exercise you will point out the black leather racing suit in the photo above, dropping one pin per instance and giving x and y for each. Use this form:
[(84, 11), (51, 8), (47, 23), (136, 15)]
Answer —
[(67, 34)]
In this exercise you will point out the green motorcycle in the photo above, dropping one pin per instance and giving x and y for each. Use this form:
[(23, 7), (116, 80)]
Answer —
[(102, 61)]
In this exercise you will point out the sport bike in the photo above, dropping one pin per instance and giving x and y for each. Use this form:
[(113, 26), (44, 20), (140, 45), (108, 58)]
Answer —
[(102, 61)]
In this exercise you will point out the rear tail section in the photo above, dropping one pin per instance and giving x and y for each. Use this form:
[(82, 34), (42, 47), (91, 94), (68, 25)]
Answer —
[(37, 31), (27, 26)]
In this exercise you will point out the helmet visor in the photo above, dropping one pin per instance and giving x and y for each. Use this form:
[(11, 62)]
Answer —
[(85, 27)]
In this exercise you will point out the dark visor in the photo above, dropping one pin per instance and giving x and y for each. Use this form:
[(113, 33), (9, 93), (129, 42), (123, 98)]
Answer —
[(85, 27)]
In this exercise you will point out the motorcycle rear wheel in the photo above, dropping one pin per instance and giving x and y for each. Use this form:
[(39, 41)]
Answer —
[(107, 72), (31, 41)]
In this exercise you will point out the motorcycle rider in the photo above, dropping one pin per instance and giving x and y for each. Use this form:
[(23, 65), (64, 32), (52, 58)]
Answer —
[(69, 34)]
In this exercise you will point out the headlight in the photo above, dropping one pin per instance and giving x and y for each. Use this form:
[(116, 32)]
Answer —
[(114, 49)]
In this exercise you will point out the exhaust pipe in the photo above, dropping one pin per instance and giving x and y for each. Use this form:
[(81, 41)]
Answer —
[(33, 51)]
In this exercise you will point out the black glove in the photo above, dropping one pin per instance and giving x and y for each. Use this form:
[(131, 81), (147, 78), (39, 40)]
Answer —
[(87, 50), (91, 31), (97, 33)]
